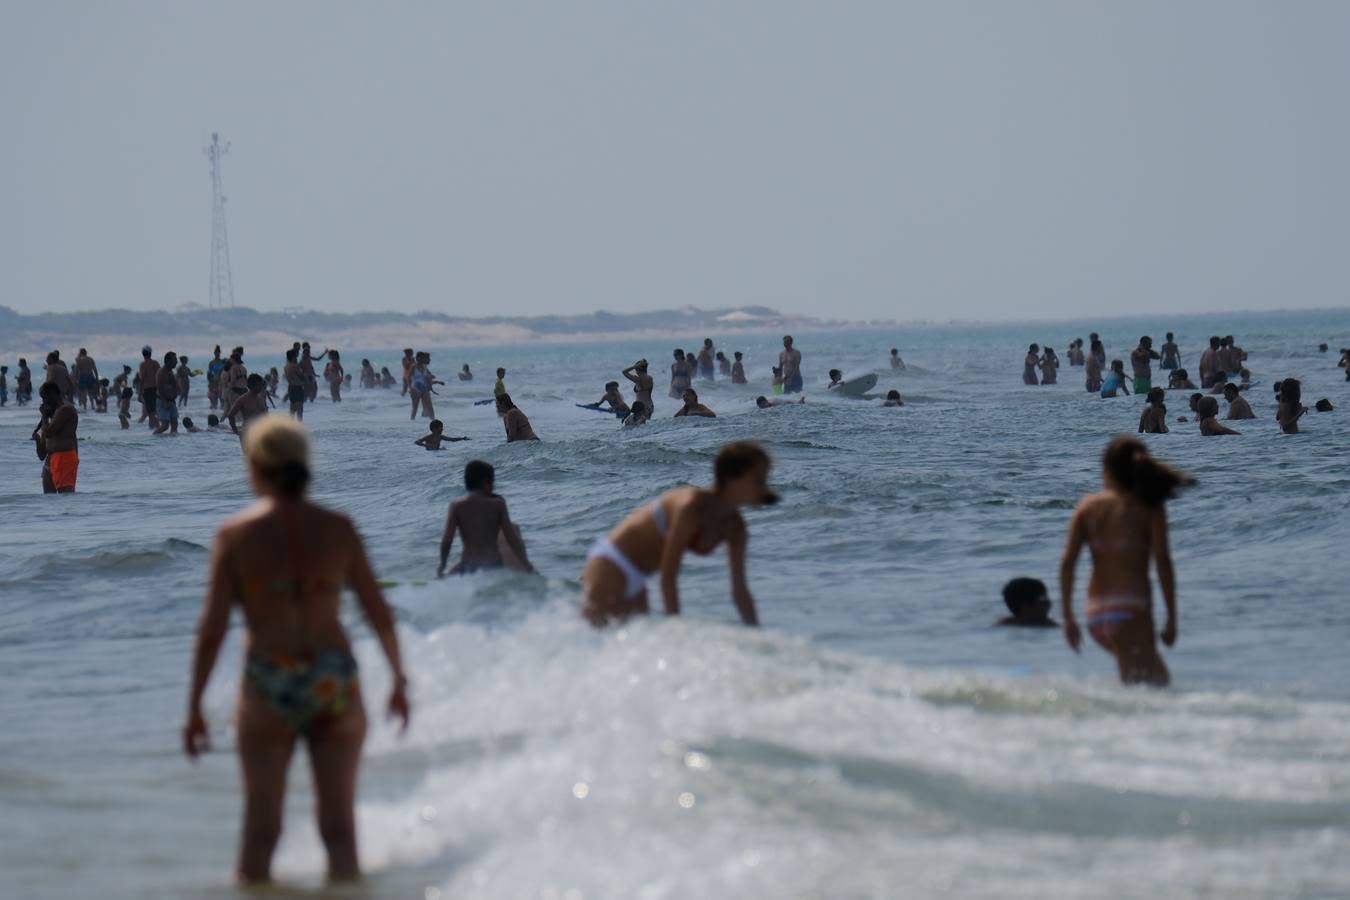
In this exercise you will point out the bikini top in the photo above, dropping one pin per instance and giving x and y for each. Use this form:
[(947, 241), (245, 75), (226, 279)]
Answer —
[(659, 519)]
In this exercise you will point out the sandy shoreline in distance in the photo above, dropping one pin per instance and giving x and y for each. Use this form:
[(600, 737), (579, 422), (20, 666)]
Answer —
[(35, 345)]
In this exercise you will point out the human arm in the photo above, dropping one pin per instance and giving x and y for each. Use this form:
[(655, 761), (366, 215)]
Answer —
[(1162, 559), (513, 539), (629, 374), (740, 591), (1143, 420), (211, 630), (380, 618), (234, 410), (1067, 565), (448, 537)]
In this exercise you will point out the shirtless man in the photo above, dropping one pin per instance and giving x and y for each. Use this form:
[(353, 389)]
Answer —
[(705, 360), (516, 424), (481, 519), (1209, 363), (1207, 410), (23, 392), (693, 408), (643, 384), (295, 384), (149, 371), (1236, 355), (166, 394), (1171, 353), (1238, 407), (1140, 362), (57, 441), (738, 370), (86, 377), (790, 361), (251, 405), (1097, 349), (59, 375)]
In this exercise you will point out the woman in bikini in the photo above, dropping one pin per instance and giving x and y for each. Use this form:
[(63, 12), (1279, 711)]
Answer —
[(284, 560), (655, 537), (681, 375), (1125, 525)]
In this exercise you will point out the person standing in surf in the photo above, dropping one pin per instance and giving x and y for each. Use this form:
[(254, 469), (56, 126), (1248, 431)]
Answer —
[(681, 374), (656, 536), (284, 561), (790, 361), (643, 384), (1030, 364), (1125, 528), (1171, 354), (484, 525)]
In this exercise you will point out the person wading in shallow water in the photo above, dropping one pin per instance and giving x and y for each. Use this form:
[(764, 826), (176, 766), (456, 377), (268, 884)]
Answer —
[(1125, 527), (284, 561), (656, 536)]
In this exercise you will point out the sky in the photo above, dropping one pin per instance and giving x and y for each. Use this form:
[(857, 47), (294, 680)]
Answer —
[(862, 160)]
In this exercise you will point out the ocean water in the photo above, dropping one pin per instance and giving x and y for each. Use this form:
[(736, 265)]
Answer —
[(878, 737)]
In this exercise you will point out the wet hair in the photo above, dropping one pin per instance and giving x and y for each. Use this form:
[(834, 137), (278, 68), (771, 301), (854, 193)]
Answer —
[(501, 372), (761, 401), (1117, 364), (737, 354), (1137, 473), (707, 342), (1207, 407), (187, 421), (465, 369), (1095, 346), (217, 349), (835, 373), (1324, 405), (170, 356), (1180, 374), (1230, 387), (1033, 348), (407, 350), (24, 362), (50, 391), (1195, 399), (211, 420), (54, 357), (737, 458), (787, 337), (1291, 391), (892, 395), (1169, 335), (255, 381), (679, 354), (1215, 341), (1155, 395), (611, 385), (689, 391), (777, 370), (894, 351), (333, 354), (436, 425), (1145, 341), (478, 474), (278, 448), (1323, 348), (1020, 593)]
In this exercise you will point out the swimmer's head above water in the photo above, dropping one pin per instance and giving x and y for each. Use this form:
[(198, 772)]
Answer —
[(1028, 601)]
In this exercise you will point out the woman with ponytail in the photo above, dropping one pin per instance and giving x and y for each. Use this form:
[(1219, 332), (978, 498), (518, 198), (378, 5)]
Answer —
[(284, 560), (1125, 526)]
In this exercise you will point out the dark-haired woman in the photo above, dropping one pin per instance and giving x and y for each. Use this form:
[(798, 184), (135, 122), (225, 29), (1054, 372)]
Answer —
[(656, 535), (1291, 408), (514, 420), (1030, 364), (1125, 527), (681, 375), (284, 561), (1092, 368)]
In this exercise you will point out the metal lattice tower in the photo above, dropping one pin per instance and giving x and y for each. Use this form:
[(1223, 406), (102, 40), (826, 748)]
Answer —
[(222, 282)]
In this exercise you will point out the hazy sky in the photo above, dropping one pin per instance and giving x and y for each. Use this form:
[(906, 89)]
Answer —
[(856, 159)]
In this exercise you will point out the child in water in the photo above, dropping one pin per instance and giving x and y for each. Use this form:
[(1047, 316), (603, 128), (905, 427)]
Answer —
[(1125, 528), (1180, 380), (1115, 380), (777, 380), (433, 440), (1029, 603), (893, 399), (188, 426)]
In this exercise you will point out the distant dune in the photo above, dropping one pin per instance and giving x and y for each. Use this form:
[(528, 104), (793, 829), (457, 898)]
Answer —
[(121, 333)]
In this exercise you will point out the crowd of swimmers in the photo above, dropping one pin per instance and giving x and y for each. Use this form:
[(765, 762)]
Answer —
[(285, 559), (1221, 368)]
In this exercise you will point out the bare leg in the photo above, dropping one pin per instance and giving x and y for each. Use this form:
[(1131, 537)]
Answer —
[(1134, 644), (265, 745), (334, 756), (415, 402)]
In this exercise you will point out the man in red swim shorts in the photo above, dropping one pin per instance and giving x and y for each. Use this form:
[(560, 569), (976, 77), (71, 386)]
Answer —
[(57, 441)]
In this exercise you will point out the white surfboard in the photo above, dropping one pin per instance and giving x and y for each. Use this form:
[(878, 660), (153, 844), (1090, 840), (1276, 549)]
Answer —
[(856, 387)]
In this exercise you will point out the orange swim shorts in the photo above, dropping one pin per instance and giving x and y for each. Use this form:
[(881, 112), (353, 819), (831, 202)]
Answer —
[(63, 465)]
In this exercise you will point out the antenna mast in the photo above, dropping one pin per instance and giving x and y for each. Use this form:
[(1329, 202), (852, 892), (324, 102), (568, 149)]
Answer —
[(221, 293)]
